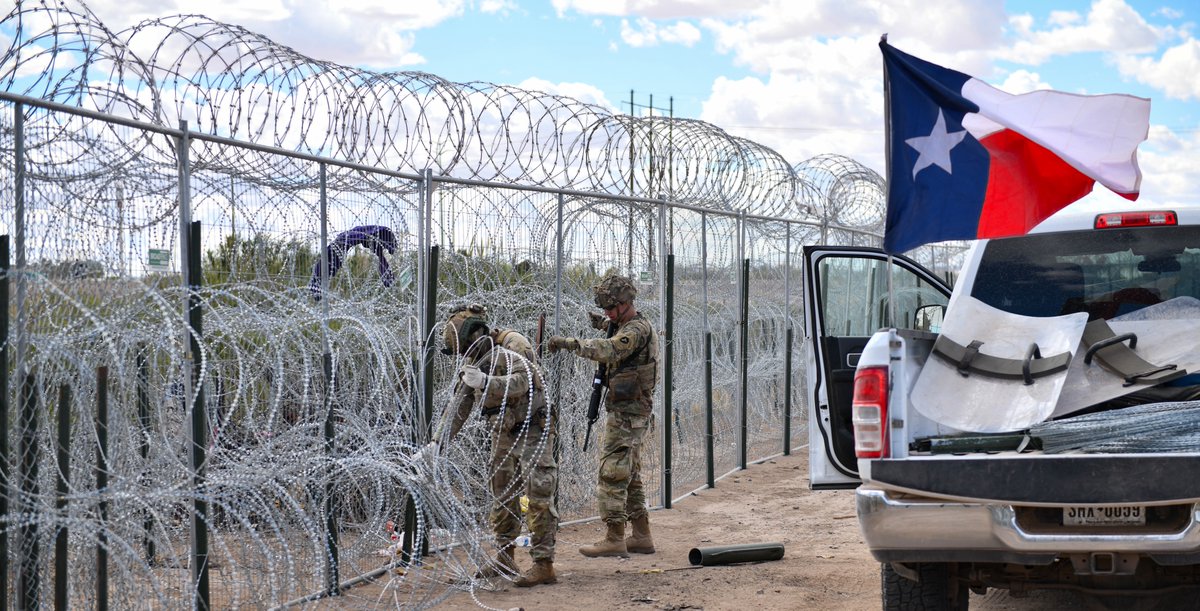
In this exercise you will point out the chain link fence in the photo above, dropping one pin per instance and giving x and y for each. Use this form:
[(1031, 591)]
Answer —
[(261, 419), (194, 410)]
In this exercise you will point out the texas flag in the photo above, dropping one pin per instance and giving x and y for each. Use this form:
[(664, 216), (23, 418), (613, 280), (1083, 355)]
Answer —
[(966, 160)]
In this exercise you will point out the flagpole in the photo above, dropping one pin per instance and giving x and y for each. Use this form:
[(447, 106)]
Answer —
[(887, 176)]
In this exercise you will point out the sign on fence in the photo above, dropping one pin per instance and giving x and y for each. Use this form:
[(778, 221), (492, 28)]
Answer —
[(158, 260)]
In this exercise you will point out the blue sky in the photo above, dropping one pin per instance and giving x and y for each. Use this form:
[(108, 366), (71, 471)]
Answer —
[(800, 76)]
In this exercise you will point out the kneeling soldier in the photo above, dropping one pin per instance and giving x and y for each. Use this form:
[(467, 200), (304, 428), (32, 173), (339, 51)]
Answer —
[(501, 373)]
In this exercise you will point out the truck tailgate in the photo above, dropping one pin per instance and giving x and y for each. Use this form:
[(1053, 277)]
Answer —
[(1040, 479)]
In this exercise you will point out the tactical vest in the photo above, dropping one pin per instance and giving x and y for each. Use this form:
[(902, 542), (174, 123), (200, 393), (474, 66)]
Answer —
[(631, 384), (518, 411)]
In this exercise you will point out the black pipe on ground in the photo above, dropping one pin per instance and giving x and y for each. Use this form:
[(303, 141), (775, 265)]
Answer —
[(731, 554)]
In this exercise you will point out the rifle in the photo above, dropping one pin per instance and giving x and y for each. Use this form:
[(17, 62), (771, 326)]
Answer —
[(541, 332), (593, 412)]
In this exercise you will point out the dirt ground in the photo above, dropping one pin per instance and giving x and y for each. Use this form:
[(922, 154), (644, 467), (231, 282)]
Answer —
[(825, 564)]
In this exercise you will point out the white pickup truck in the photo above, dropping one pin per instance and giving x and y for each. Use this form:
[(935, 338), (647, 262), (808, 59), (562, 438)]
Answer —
[(957, 487)]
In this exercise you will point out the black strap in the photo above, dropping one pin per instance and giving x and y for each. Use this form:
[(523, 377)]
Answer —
[(1109, 349), (968, 359), (968, 355)]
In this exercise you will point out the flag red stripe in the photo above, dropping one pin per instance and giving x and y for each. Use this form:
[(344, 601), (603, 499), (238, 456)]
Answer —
[(1026, 184)]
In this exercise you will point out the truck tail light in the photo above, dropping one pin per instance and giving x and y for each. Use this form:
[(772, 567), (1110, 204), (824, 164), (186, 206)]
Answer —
[(1135, 219), (869, 412)]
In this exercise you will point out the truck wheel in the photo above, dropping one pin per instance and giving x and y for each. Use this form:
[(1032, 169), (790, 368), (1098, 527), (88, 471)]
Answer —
[(938, 588)]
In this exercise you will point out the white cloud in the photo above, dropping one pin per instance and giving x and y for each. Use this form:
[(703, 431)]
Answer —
[(1063, 18), (682, 33), (119, 14), (582, 92), (496, 6), (1022, 81), (801, 115), (1168, 13), (1110, 26), (645, 33), (591, 7), (659, 9), (820, 89), (638, 38), (370, 33), (1174, 73), (1170, 165), (36, 60), (774, 38)]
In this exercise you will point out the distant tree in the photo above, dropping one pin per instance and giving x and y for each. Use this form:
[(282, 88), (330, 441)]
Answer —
[(70, 269), (260, 257)]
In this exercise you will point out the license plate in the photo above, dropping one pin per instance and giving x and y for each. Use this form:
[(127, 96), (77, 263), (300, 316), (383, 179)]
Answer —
[(1104, 516)]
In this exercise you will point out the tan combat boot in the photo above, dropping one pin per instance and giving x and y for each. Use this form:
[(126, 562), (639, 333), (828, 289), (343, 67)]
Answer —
[(613, 543), (542, 571), (503, 564), (639, 541)]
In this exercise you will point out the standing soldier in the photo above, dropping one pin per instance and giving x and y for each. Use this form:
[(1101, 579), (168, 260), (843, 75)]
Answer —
[(501, 373), (630, 354)]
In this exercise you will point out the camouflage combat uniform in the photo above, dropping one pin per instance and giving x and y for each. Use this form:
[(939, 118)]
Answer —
[(632, 372), (522, 427)]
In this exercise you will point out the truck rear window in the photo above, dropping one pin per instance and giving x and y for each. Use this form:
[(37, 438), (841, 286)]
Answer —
[(1104, 273)]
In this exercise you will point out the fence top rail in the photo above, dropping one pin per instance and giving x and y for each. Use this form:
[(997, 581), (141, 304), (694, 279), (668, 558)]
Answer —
[(262, 148)]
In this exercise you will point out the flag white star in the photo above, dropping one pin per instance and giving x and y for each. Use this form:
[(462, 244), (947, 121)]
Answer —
[(935, 148)]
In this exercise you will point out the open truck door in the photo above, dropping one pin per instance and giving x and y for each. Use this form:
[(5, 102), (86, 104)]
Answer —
[(846, 302)]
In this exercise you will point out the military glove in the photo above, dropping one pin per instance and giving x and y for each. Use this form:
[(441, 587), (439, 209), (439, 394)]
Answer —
[(472, 376), (559, 342), (599, 321)]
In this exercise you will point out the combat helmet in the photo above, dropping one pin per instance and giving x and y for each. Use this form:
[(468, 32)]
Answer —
[(466, 324), (614, 290)]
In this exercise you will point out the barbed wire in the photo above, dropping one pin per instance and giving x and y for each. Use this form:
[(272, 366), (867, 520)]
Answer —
[(227, 81), (99, 193)]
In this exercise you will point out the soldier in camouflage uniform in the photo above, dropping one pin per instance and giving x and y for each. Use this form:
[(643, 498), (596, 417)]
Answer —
[(631, 358), (501, 374)]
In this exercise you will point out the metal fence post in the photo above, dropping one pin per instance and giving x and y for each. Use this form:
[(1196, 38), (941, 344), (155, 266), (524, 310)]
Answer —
[(328, 433), (668, 379), (4, 424), (667, 281), (710, 459), (430, 311), (787, 342), (60, 498), (190, 268), (29, 577), (143, 407), (743, 344), (427, 366), (199, 411), (102, 487), (323, 257), (557, 380), (19, 366), (558, 266), (19, 237)]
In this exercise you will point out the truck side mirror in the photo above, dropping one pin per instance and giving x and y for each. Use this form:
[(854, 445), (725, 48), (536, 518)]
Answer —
[(929, 317)]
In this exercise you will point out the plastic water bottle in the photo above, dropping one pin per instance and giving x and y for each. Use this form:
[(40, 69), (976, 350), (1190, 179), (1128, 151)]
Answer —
[(522, 541), (393, 537)]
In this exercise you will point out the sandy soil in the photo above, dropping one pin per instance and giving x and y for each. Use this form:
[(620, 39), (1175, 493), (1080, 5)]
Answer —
[(825, 564)]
